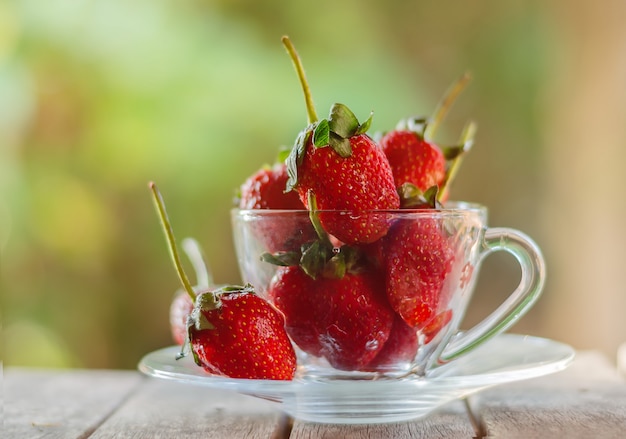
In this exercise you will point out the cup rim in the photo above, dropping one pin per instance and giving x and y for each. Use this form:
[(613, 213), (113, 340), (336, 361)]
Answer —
[(451, 207)]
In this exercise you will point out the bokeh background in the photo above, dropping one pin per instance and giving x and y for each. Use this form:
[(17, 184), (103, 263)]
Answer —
[(99, 97)]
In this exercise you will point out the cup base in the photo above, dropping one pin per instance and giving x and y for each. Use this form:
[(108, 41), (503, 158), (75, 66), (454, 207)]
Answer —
[(318, 369)]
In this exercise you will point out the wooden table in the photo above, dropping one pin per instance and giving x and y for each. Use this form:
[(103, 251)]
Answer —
[(586, 400)]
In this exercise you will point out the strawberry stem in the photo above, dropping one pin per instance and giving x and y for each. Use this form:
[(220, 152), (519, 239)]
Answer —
[(466, 141), (444, 106), (293, 54), (314, 218), (171, 241), (194, 253)]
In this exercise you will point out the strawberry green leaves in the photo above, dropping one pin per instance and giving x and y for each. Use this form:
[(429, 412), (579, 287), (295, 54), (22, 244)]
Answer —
[(319, 257), (338, 128), (296, 156), (334, 132)]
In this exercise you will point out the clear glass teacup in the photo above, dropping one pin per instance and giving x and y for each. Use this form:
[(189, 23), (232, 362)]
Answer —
[(389, 307)]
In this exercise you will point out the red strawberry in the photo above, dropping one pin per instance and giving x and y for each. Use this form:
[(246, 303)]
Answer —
[(357, 183), (180, 308), (333, 306), (356, 319), (401, 347), (437, 324), (278, 231), (418, 258), (414, 157), (265, 189), (235, 333), (182, 305), (344, 169), (231, 330), (293, 292)]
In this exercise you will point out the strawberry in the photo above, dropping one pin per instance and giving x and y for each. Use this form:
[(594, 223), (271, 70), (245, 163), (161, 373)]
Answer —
[(404, 341), (345, 320), (180, 308), (235, 333), (417, 259), (292, 291), (281, 231), (356, 320), (265, 189), (401, 347), (343, 168), (436, 324), (358, 182), (182, 305), (415, 158), (232, 331)]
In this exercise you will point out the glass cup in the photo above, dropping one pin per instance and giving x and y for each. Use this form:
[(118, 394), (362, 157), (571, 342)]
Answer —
[(387, 307)]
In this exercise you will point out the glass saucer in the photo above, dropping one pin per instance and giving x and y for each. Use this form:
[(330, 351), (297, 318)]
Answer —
[(506, 358)]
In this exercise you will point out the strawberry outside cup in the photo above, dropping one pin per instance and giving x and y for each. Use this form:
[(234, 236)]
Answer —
[(384, 309)]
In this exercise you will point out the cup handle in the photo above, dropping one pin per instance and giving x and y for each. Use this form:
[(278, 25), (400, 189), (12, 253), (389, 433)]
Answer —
[(532, 281)]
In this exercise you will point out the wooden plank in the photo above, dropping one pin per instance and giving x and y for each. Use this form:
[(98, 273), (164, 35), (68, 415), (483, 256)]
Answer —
[(165, 410), (586, 400), (60, 403), (451, 421)]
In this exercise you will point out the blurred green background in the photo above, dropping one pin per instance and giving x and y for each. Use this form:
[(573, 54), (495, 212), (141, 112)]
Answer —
[(99, 97)]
